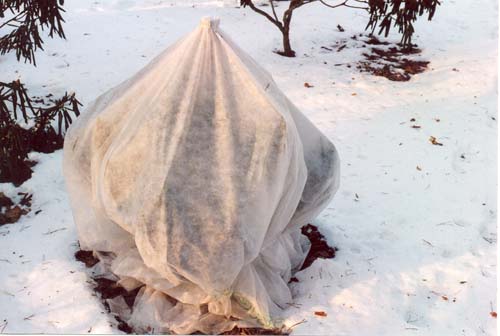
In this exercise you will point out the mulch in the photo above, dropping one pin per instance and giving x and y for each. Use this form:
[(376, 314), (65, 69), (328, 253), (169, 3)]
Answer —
[(108, 289)]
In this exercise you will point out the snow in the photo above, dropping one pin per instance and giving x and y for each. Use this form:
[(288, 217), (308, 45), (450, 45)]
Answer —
[(407, 238)]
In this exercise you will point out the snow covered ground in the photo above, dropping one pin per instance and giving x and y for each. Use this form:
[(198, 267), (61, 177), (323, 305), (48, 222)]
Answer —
[(417, 246)]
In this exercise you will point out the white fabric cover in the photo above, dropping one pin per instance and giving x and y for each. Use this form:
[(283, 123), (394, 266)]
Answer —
[(197, 174)]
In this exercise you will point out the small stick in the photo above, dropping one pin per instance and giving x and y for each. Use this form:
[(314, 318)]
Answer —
[(53, 231)]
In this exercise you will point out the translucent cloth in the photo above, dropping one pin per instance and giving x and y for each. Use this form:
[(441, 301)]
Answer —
[(196, 175)]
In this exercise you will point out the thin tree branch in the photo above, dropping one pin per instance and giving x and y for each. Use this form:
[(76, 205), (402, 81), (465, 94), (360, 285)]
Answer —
[(277, 23), (344, 3), (299, 3), (356, 7), (274, 10), (333, 6)]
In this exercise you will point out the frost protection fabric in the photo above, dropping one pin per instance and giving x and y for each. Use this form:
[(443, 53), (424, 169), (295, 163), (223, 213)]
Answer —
[(197, 174)]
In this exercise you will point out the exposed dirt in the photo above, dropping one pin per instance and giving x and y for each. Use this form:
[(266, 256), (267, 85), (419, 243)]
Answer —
[(86, 257), (15, 173), (10, 212), (382, 58), (256, 331), (319, 246), (109, 289), (391, 62), (5, 201)]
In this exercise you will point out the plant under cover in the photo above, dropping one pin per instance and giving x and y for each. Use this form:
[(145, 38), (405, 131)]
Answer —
[(383, 14)]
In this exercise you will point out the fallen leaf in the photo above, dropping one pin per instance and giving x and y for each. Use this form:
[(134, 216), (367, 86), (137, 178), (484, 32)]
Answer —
[(412, 119), (307, 85), (444, 297), (415, 126), (354, 94), (13, 214), (493, 314), (320, 313), (437, 120), (434, 141), (419, 169)]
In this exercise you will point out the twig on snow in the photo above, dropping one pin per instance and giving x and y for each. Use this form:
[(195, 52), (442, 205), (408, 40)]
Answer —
[(296, 324), (53, 231), (28, 317), (428, 242), (4, 326)]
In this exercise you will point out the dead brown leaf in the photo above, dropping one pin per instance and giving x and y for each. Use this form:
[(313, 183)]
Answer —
[(320, 313), (434, 141), (307, 85), (13, 214)]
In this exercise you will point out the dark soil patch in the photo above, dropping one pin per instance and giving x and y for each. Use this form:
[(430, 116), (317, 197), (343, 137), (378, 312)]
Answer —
[(123, 326), (109, 289), (373, 40), (319, 246), (382, 58), (86, 257), (256, 331), (5, 201), (391, 62), (10, 212)]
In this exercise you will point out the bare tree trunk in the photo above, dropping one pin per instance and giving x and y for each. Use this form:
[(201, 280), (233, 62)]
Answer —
[(283, 27), (287, 48)]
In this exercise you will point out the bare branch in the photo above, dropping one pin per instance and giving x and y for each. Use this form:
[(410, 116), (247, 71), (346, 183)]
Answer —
[(250, 4), (356, 7), (274, 10), (345, 4), (333, 6)]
